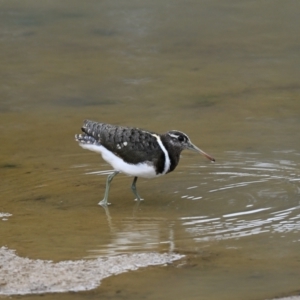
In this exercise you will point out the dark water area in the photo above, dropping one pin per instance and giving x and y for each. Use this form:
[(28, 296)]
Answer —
[(226, 73)]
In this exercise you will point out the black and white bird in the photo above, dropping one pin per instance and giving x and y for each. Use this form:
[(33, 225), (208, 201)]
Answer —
[(135, 151)]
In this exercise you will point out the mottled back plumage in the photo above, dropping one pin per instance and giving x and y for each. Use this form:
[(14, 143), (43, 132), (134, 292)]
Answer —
[(133, 145)]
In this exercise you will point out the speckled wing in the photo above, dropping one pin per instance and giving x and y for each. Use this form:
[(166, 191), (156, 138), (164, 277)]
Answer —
[(133, 145)]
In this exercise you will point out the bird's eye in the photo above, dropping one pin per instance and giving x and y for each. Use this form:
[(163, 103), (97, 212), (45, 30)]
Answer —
[(180, 138)]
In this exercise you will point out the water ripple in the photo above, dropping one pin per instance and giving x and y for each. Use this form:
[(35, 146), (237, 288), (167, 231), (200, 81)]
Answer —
[(244, 207)]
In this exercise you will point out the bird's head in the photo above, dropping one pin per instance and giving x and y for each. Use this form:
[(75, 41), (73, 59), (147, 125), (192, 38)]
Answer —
[(181, 141)]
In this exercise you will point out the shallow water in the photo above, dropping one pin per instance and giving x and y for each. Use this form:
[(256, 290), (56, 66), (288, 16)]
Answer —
[(226, 73)]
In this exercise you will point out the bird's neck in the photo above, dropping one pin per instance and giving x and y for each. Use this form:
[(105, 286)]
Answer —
[(174, 153)]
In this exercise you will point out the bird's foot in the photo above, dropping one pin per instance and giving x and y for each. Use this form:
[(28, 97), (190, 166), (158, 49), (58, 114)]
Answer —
[(138, 199), (104, 202)]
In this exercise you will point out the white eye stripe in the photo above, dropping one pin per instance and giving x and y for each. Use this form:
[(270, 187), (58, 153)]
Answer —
[(174, 135)]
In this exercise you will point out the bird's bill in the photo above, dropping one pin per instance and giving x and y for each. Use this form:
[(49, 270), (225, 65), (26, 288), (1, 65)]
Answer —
[(195, 148)]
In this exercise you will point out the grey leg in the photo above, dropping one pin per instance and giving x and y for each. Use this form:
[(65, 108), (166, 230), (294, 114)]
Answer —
[(108, 182), (133, 187)]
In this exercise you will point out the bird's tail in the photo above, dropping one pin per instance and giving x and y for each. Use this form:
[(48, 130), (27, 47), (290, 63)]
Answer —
[(91, 133), (86, 139), (92, 128)]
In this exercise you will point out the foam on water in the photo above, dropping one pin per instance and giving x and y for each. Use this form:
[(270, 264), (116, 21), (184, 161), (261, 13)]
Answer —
[(20, 276)]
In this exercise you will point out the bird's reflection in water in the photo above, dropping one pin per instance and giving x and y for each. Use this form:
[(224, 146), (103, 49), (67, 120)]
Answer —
[(135, 234), (108, 217)]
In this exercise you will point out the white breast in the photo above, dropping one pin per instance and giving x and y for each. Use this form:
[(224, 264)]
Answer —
[(145, 170)]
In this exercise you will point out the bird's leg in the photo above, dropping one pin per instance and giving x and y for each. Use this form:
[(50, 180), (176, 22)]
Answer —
[(133, 187), (108, 181)]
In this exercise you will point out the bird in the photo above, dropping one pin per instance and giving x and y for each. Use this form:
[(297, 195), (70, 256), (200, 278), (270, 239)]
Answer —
[(134, 151)]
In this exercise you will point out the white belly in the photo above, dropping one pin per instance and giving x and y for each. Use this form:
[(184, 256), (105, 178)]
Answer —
[(145, 170)]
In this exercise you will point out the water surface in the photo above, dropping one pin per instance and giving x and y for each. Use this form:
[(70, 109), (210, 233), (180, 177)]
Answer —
[(224, 72)]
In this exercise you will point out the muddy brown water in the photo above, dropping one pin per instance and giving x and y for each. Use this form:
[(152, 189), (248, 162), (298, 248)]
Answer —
[(224, 72)]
